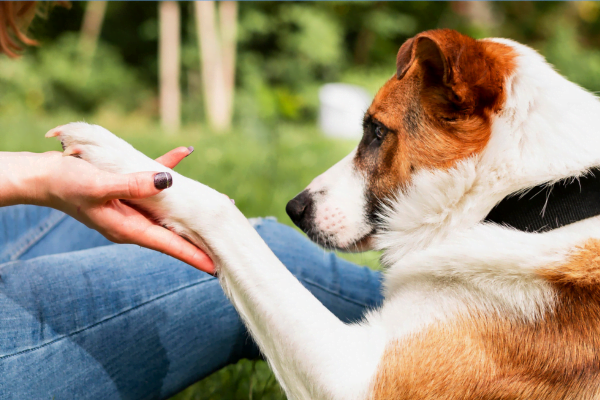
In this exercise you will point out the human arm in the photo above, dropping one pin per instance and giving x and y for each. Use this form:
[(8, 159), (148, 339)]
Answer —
[(94, 198)]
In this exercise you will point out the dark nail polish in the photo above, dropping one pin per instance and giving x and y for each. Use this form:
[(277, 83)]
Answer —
[(163, 180), (191, 150)]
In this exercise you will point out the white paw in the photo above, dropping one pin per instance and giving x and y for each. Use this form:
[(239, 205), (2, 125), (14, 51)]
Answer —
[(180, 207), (101, 148)]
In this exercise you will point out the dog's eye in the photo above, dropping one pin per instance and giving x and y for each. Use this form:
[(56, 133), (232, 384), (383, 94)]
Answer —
[(380, 132)]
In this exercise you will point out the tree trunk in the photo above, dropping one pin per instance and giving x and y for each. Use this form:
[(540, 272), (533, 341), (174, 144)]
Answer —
[(91, 27), (168, 52), (228, 21), (217, 56)]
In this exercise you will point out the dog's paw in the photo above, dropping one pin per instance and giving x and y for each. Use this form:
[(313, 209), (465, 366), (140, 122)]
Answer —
[(100, 147)]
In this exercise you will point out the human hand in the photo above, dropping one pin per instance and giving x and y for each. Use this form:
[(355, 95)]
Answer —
[(94, 197)]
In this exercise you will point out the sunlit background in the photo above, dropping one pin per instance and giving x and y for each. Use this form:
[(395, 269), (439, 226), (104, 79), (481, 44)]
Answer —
[(249, 85)]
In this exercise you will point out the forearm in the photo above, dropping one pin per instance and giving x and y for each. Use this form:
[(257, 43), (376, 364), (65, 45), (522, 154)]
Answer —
[(22, 177)]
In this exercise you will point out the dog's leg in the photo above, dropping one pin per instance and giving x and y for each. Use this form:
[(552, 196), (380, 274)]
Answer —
[(313, 354)]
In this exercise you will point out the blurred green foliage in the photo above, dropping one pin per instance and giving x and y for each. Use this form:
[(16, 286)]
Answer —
[(286, 51), (59, 77)]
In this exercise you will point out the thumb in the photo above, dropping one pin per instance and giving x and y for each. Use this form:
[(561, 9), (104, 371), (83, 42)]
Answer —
[(137, 185)]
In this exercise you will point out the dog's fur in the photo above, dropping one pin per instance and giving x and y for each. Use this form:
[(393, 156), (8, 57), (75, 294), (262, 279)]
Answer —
[(472, 310)]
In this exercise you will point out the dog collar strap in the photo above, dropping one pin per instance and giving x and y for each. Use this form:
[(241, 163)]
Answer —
[(546, 207)]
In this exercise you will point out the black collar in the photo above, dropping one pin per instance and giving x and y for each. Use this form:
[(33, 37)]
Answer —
[(546, 207)]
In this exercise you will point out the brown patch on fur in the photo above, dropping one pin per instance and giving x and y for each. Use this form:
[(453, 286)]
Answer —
[(495, 357), (437, 110), (583, 268)]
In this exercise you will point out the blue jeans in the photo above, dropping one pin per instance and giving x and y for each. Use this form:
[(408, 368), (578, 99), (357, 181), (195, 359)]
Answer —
[(82, 318)]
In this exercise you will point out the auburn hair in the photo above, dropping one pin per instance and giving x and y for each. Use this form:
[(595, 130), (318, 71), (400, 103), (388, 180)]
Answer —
[(15, 17), (13, 26)]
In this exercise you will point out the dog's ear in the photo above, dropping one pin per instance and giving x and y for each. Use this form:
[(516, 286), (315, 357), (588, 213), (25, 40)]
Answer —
[(428, 51), (448, 59)]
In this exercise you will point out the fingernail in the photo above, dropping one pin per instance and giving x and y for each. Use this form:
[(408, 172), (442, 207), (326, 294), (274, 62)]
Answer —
[(163, 180), (191, 150)]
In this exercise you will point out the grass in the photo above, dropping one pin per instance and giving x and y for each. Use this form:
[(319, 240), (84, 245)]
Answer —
[(260, 167)]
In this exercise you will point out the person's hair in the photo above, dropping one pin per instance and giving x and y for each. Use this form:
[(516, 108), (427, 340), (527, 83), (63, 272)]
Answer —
[(13, 26), (15, 17)]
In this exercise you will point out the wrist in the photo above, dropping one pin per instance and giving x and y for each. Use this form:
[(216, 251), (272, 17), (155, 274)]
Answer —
[(25, 178)]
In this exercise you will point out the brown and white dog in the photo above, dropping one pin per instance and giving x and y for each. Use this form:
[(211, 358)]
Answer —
[(472, 310)]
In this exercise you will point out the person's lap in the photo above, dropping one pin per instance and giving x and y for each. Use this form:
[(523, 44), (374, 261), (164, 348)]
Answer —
[(83, 318)]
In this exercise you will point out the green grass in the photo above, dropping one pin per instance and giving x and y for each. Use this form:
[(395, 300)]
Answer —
[(261, 168), (246, 380)]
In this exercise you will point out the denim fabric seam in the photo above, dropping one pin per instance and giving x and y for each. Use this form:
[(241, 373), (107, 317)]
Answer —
[(106, 319), (312, 283), (34, 235)]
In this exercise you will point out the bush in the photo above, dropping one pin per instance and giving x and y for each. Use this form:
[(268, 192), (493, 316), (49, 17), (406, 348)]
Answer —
[(60, 76)]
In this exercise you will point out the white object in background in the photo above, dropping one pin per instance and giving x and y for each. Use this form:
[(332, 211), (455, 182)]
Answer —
[(342, 107)]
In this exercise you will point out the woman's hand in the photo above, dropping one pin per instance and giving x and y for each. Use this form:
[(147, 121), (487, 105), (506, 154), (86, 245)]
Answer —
[(93, 197)]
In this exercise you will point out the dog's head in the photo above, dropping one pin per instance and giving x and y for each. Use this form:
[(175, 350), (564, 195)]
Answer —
[(435, 111)]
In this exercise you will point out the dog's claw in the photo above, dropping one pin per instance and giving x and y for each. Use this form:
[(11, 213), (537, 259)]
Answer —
[(72, 151), (54, 132)]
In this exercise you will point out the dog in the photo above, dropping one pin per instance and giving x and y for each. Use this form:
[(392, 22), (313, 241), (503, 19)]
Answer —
[(476, 307)]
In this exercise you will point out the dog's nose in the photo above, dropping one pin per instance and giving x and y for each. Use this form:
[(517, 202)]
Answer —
[(299, 209)]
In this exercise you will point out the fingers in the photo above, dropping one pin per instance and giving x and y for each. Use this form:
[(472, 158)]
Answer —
[(165, 241), (174, 157), (138, 185), (122, 223)]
